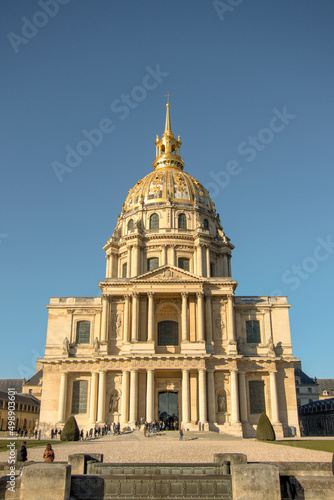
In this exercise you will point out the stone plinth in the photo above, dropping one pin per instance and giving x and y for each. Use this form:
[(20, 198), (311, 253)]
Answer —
[(256, 482), (47, 481), (78, 461)]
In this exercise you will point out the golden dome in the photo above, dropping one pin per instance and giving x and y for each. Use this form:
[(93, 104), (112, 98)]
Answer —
[(168, 182)]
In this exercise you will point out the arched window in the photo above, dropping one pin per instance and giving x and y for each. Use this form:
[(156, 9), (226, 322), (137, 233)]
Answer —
[(168, 333), (206, 224), (183, 263), (130, 224), (182, 221), (83, 332), (154, 221), (152, 263)]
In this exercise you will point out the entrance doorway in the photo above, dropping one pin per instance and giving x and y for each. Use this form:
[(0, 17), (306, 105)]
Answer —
[(168, 408)]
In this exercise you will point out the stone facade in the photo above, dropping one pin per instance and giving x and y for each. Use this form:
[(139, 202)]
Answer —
[(169, 339)]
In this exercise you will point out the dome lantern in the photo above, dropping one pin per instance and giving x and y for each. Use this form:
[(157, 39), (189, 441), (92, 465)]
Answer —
[(168, 148)]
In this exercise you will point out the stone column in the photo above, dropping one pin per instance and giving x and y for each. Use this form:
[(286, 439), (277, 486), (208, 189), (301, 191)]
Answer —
[(199, 261), (150, 316), (128, 270), (164, 255), (235, 419), (134, 332), (208, 261), (243, 397), (173, 252), (225, 266), (211, 397), (185, 397), (125, 396), (101, 408), (273, 395), (107, 266), (93, 397), (229, 266), (134, 261), (202, 399), (230, 319), (150, 396), (111, 265), (126, 323), (208, 318), (62, 397), (133, 396), (200, 316), (104, 321), (184, 316)]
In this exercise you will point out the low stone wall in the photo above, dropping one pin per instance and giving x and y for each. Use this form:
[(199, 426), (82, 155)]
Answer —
[(247, 481), (162, 487)]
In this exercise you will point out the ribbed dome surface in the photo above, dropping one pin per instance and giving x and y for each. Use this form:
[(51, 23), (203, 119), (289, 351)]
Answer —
[(166, 184)]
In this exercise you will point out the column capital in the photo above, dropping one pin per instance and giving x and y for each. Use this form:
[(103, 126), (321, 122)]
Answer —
[(150, 370), (127, 296), (200, 294), (203, 370), (135, 294), (105, 297), (150, 294), (184, 294)]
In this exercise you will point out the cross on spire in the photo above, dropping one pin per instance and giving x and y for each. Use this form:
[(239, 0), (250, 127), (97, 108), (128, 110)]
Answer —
[(168, 95)]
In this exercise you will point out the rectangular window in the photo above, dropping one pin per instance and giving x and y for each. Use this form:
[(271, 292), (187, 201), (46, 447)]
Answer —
[(152, 263), (183, 263), (79, 396), (256, 396), (124, 271), (83, 332), (253, 332), (309, 390)]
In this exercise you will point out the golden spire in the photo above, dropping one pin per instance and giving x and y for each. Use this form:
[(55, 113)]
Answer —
[(168, 148), (168, 126)]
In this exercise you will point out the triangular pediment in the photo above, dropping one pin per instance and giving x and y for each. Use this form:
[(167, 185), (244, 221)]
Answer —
[(168, 273)]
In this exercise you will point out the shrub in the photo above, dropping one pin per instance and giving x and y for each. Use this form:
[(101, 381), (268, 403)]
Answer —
[(70, 431), (265, 431)]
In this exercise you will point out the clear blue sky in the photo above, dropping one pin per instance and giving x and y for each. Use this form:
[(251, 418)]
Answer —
[(252, 97)]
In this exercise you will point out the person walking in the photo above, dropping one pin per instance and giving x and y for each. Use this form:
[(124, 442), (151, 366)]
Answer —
[(21, 452), (181, 435), (49, 454)]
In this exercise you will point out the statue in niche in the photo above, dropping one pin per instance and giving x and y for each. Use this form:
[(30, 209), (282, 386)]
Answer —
[(113, 403), (66, 346), (221, 403), (270, 346), (96, 345), (118, 323)]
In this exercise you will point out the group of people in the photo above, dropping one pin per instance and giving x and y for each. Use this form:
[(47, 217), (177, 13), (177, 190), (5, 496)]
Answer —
[(22, 454), (55, 433), (27, 433), (157, 426)]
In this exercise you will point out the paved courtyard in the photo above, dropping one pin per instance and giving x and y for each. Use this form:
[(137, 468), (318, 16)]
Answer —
[(166, 447)]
